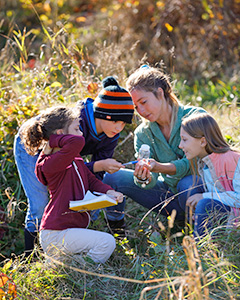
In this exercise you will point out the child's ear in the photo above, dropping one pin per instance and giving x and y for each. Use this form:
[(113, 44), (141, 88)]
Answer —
[(59, 131), (203, 142)]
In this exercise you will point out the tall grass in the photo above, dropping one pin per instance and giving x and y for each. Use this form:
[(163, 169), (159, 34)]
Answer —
[(150, 264), (158, 259)]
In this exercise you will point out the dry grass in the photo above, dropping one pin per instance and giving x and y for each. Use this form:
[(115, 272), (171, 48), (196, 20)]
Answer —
[(176, 268)]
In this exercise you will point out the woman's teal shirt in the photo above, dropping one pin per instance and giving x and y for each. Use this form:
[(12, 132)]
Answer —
[(163, 151)]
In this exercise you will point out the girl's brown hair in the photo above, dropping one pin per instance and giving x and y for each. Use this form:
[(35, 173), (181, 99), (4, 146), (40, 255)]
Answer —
[(37, 130), (150, 79), (204, 125)]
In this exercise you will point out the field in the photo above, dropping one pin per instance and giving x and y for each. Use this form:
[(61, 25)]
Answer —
[(44, 63)]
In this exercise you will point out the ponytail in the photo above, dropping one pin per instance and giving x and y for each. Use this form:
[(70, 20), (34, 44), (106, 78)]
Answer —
[(38, 130)]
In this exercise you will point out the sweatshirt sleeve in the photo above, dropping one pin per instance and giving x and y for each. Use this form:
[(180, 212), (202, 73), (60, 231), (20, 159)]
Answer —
[(70, 145), (182, 167), (230, 198)]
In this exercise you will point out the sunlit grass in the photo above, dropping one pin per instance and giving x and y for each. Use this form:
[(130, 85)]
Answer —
[(149, 264)]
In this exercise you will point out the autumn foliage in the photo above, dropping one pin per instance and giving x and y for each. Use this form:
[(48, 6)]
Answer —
[(197, 38), (7, 288)]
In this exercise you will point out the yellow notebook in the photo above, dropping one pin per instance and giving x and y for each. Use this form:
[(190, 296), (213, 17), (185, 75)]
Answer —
[(91, 202)]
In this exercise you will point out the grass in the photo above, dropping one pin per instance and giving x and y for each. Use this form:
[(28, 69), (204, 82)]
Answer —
[(158, 259), (150, 264)]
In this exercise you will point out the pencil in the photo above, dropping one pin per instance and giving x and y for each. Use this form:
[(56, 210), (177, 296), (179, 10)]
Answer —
[(130, 162)]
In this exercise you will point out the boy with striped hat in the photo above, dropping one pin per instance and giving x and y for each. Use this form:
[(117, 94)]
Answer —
[(101, 122)]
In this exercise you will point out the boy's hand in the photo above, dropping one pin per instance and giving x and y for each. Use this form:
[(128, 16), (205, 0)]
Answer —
[(109, 165)]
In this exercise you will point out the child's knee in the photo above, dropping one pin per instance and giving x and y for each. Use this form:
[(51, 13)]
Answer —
[(104, 250), (202, 206), (110, 242)]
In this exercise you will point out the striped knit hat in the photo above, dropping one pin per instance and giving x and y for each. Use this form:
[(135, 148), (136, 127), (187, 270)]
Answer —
[(113, 103)]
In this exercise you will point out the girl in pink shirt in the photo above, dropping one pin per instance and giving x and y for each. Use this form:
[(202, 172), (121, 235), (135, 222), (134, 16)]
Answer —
[(219, 168)]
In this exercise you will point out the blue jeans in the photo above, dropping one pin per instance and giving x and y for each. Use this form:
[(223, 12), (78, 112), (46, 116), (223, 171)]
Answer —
[(207, 212), (35, 191), (158, 196)]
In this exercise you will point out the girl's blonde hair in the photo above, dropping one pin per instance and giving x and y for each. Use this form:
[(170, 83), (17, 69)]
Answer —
[(204, 125), (37, 130), (150, 79)]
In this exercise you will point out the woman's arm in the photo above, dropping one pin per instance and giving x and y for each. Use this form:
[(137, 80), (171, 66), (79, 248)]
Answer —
[(165, 168)]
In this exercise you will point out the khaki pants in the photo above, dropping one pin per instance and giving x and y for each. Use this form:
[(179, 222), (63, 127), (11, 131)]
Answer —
[(96, 244)]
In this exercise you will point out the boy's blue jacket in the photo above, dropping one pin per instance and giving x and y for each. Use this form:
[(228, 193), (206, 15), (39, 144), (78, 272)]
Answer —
[(99, 146)]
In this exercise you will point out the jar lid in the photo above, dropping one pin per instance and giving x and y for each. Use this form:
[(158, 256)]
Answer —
[(145, 147)]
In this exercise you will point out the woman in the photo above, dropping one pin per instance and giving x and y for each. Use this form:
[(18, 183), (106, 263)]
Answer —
[(169, 183)]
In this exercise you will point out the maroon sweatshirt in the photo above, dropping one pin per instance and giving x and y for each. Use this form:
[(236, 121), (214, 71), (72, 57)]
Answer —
[(58, 173)]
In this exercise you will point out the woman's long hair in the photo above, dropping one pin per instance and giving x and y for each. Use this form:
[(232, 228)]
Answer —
[(37, 130)]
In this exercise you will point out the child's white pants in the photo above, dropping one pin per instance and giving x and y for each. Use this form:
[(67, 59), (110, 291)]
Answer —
[(96, 244)]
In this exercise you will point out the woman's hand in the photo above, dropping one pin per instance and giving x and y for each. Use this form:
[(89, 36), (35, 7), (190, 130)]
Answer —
[(109, 165), (142, 170), (164, 168), (117, 195), (152, 164), (193, 200)]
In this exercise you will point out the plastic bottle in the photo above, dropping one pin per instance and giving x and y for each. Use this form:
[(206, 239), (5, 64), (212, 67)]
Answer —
[(143, 156), (144, 152)]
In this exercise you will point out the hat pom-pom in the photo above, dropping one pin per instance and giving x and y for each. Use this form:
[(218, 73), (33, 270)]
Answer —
[(108, 81)]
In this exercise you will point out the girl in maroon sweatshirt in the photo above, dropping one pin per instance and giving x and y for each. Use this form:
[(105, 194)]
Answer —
[(62, 169)]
